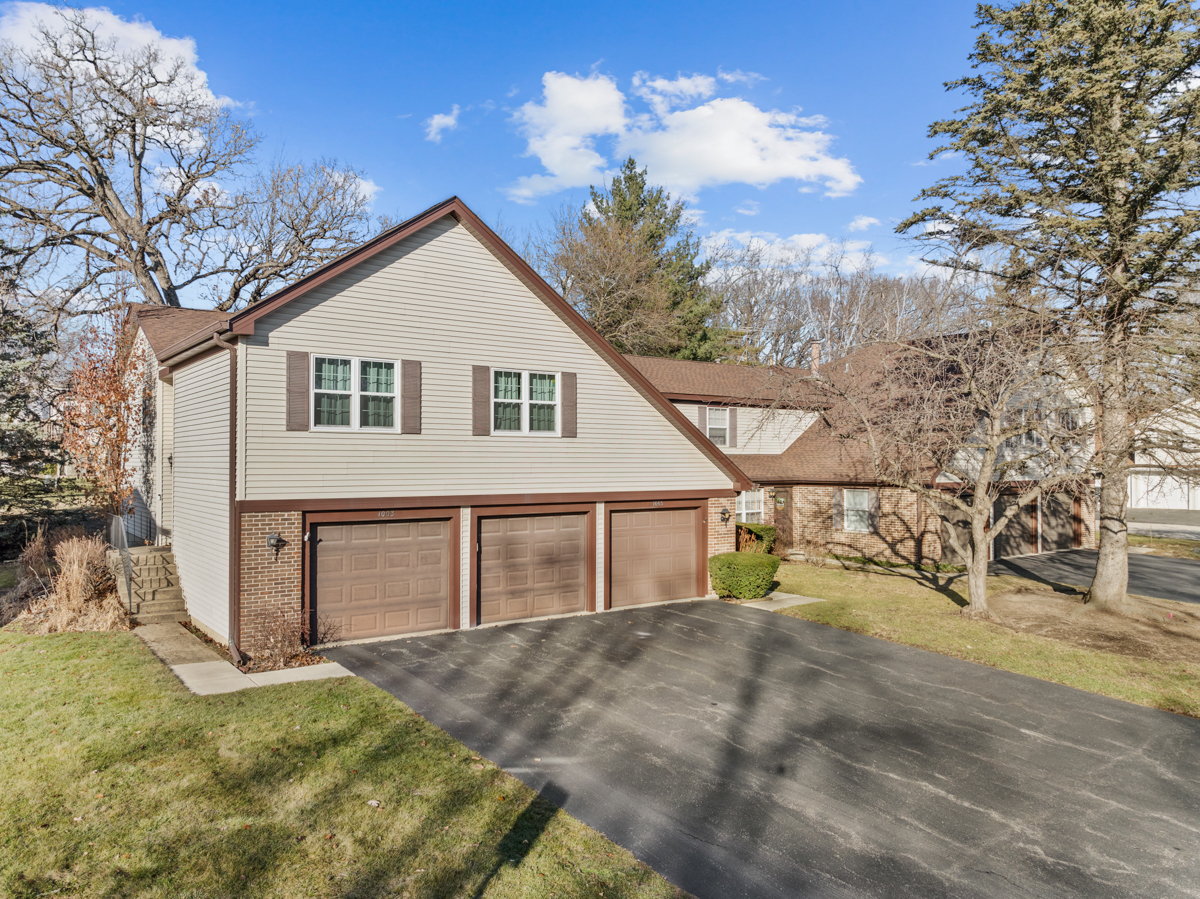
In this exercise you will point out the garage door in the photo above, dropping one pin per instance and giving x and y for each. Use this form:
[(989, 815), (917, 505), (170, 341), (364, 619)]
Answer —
[(1058, 522), (382, 578), (1019, 537), (532, 566), (653, 555)]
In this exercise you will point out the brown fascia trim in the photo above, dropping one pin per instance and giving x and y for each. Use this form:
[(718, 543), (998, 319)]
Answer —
[(716, 400), (243, 322), (381, 503), (180, 347)]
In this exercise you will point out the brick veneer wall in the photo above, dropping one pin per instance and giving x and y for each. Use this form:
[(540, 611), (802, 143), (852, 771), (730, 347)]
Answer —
[(904, 534), (271, 586), (721, 537)]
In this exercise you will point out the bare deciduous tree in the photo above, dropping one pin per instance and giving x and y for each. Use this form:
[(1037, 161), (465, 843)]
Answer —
[(964, 418), (122, 162)]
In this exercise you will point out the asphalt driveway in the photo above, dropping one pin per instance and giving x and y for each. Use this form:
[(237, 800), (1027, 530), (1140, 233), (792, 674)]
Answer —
[(745, 753), (1159, 576)]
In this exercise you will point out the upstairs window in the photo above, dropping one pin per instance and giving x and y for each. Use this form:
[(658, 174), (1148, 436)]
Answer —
[(354, 394), (524, 402), (718, 425)]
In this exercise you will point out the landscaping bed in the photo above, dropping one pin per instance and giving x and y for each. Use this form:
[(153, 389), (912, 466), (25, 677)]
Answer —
[(1043, 631), (118, 782)]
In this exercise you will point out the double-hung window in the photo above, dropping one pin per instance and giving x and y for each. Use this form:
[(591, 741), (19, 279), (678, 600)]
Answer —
[(856, 515), (718, 425), (354, 394), (750, 506), (524, 402)]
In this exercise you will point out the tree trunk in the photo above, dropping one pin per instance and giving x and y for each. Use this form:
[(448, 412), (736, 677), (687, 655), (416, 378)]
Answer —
[(1111, 583), (977, 604)]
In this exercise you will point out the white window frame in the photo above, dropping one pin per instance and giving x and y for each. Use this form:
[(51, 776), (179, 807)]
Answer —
[(724, 410), (356, 395), (525, 401), (865, 510), (746, 500)]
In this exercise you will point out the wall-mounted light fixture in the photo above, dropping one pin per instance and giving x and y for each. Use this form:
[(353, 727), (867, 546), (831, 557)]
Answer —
[(275, 542), (725, 516)]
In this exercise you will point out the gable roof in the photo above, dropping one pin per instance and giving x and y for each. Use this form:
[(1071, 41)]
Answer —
[(243, 323), (165, 326)]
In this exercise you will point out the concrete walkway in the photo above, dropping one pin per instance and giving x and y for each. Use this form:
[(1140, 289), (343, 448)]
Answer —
[(202, 670), (774, 601)]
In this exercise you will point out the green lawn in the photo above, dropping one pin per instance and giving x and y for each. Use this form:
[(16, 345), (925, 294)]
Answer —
[(923, 610), (115, 781)]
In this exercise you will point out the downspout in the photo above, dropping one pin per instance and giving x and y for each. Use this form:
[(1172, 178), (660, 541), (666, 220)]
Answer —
[(229, 342)]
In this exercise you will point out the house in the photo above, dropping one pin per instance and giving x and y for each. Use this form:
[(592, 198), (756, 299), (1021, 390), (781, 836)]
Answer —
[(419, 435), (819, 490)]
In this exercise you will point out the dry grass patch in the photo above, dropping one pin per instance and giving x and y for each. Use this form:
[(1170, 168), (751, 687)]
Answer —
[(1173, 547), (115, 781), (1043, 632)]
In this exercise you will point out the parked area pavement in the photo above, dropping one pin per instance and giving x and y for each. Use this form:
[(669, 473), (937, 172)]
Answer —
[(204, 672), (744, 753), (1179, 524), (1158, 576)]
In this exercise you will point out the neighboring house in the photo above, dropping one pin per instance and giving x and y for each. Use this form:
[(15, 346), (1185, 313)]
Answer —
[(819, 490), (1168, 477), (419, 435)]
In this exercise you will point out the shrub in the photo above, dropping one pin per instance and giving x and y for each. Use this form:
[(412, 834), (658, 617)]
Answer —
[(83, 592), (755, 538), (744, 575)]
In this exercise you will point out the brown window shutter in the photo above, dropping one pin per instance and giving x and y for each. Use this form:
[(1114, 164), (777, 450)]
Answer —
[(297, 391), (873, 507), (570, 405), (839, 507), (702, 419), (731, 439), (481, 400), (410, 397)]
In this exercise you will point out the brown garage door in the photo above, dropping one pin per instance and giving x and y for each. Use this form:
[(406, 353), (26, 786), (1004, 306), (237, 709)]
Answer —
[(383, 578), (1019, 537), (653, 555), (1058, 522), (532, 566)]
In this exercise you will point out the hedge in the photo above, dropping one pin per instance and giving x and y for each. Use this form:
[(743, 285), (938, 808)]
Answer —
[(744, 575), (764, 533)]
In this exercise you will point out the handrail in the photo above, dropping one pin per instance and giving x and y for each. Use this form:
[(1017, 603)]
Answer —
[(119, 541)]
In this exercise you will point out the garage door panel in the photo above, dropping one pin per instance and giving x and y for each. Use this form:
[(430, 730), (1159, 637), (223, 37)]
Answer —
[(385, 578), (652, 555), (532, 566)]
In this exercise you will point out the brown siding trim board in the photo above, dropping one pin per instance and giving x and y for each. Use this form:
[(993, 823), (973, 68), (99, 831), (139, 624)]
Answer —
[(489, 499), (701, 507), (478, 512)]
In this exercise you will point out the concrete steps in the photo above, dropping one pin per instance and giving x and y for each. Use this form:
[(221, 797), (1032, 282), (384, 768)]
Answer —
[(157, 597)]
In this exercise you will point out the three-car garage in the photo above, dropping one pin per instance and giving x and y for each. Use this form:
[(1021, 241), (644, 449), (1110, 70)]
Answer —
[(385, 573)]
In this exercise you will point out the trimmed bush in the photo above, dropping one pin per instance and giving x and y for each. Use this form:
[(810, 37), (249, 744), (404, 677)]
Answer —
[(744, 575), (755, 538)]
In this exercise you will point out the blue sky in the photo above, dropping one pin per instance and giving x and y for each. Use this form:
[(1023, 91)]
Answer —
[(782, 119)]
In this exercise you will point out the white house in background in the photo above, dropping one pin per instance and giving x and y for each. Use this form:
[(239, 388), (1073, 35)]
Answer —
[(419, 435), (1169, 479)]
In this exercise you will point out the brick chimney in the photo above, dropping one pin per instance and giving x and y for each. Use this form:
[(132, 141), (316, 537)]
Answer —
[(814, 365)]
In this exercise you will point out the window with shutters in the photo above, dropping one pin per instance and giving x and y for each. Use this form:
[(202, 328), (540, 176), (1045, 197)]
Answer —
[(750, 506), (718, 425), (525, 402), (856, 516), (353, 394)]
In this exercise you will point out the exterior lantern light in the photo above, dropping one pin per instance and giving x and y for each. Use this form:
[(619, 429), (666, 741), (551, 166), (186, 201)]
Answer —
[(725, 516)]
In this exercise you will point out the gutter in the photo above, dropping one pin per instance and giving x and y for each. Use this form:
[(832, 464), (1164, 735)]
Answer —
[(228, 342)]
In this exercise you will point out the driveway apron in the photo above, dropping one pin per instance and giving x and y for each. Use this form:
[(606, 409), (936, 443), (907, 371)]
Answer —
[(745, 753)]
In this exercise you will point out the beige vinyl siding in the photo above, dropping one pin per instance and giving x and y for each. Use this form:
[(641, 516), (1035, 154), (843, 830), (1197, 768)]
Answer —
[(166, 468), (201, 509), (143, 462), (760, 430), (441, 298)]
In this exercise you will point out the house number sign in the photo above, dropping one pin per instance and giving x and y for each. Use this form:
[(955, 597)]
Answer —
[(388, 514), (657, 502)]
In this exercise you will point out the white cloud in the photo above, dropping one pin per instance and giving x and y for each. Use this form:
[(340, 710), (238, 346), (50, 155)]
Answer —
[(442, 121), (22, 22), (783, 250), (737, 75), (724, 140), (749, 207), (367, 189), (948, 156), (863, 222)]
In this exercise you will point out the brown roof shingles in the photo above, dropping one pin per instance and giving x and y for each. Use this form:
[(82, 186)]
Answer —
[(715, 380), (165, 326)]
